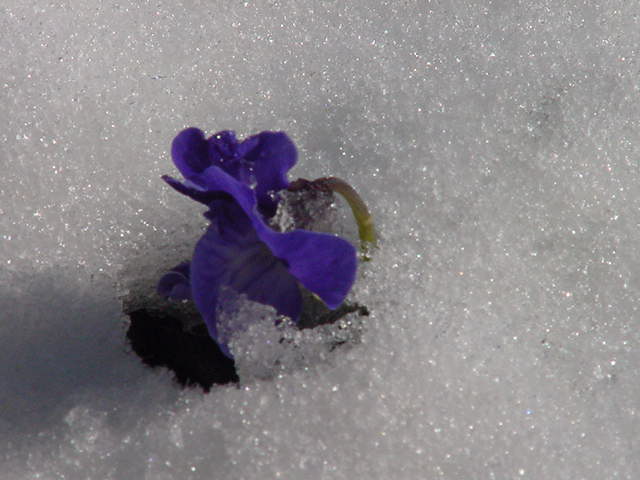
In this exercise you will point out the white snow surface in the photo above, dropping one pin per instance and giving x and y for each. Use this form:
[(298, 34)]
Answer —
[(497, 144)]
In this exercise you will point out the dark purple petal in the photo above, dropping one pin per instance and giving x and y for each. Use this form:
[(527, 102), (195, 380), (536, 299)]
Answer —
[(215, 184), (216, 180), (247, 145), (231, 254), (245, 262), (223, 152), (224, 144), (272, 158), (207, 271), (264, 278), (190, 152), (175, 283), (192, 191), (324, 264)]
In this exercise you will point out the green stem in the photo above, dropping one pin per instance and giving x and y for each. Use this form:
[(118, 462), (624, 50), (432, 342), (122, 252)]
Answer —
[(366, 229)]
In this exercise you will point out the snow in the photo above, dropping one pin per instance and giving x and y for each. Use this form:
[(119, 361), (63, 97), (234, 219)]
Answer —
[(496, 144)]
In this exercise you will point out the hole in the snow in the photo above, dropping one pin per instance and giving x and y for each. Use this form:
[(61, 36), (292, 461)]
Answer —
[(172, 335), (160, 340)]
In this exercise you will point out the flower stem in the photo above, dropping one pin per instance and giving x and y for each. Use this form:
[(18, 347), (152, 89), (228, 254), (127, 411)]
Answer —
[(366, 229)]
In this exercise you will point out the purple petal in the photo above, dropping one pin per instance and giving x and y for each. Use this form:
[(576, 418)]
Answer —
[(190, 152), (230, 253), (224, 144), (324, 264), (215, 180), (247, 145), (272, 158), (224, 153), (191, 190), (264, 278), (212, 185), (206, 278)]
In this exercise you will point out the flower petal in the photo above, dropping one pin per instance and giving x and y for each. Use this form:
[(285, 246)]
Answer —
[(224, 144), (191, 190), (264, 278), (273, 156), (230, 253), (225, 153), (206, 278), (190, 152), (247, 145), (323, 263), (214, 180)]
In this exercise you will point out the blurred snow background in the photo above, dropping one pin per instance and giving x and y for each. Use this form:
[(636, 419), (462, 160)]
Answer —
[(497, 144)]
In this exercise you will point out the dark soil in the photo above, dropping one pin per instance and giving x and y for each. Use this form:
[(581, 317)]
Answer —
[(160, 341)]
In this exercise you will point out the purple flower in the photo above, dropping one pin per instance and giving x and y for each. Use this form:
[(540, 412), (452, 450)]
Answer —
[(262, 160), (239, 182)]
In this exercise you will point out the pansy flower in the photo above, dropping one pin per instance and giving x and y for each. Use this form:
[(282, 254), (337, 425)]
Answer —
[(239, 182), (261, 161)]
